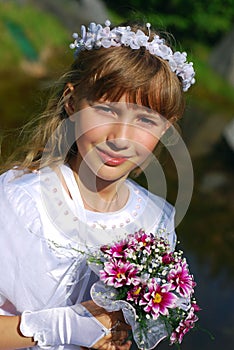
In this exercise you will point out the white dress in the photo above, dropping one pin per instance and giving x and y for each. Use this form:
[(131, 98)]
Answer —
[(44, 234)]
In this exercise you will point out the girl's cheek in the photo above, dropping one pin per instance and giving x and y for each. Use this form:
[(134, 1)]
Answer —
[(148, 143)]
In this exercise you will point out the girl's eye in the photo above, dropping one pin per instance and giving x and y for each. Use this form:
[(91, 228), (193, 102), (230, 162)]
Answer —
[(103, 108), (147, 121)]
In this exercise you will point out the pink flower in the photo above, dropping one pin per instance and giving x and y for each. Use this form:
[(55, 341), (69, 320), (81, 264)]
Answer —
[(158, 299), (118, 273), (184, 327), (181, 280)]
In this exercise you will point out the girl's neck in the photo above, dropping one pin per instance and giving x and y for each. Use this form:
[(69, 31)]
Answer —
[(99, 195)]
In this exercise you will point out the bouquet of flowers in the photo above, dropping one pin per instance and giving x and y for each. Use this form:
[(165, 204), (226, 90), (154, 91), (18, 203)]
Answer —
[(150, 284)]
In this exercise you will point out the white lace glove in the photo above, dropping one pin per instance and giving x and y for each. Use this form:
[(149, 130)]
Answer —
[(73, 325)]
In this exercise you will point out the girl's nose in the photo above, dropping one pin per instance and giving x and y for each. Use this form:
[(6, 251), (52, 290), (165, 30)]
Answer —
[(120, 136), (118, 144)]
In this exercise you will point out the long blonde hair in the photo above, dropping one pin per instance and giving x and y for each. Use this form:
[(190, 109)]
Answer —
[(104, 73)]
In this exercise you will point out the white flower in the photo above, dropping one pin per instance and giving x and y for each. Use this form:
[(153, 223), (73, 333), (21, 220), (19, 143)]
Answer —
[(180, 57), (140, 39), (127, 39), (108, 38)]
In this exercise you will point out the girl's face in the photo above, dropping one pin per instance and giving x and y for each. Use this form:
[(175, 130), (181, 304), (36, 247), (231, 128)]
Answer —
[(113, 138)]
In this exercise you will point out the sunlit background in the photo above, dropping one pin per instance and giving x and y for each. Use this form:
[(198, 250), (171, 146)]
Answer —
[(34, 51)]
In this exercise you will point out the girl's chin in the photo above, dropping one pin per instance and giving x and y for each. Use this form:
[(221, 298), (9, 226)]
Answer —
[(110, 173)]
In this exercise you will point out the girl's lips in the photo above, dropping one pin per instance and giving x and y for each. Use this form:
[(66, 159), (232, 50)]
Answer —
[(111, 160)]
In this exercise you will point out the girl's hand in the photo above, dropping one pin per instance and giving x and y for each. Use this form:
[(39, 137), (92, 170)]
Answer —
[(114, 321), (125, 346)]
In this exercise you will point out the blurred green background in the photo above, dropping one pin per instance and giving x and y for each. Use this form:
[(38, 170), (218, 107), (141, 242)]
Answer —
[(34, 41)]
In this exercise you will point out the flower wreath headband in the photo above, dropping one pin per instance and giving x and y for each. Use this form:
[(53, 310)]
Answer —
[(96, 36)]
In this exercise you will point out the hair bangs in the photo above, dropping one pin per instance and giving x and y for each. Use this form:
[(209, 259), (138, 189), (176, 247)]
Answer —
[(145, 80)]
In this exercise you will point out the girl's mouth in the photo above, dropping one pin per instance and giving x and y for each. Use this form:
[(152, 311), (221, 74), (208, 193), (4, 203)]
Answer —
[(110, 159)]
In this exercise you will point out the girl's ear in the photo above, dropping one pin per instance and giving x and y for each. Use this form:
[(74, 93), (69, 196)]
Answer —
[(69, 103), (173, 133), (168, 124)]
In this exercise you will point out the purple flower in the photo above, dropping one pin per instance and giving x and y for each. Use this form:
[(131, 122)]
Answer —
[(167, 258), (196, 307), (184, 327), (141, 240), (136, 293), (158, 299), (181, 280), (118, 273), (118, 250)]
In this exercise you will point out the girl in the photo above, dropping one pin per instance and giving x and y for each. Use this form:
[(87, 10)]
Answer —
[(70, 193)]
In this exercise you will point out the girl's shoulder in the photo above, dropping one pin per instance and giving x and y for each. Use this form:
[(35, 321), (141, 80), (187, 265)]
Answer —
[(151, 200), (16, 181)]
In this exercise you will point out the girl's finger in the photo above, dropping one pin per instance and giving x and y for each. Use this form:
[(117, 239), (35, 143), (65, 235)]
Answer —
[(119, 336), (125, 346)]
